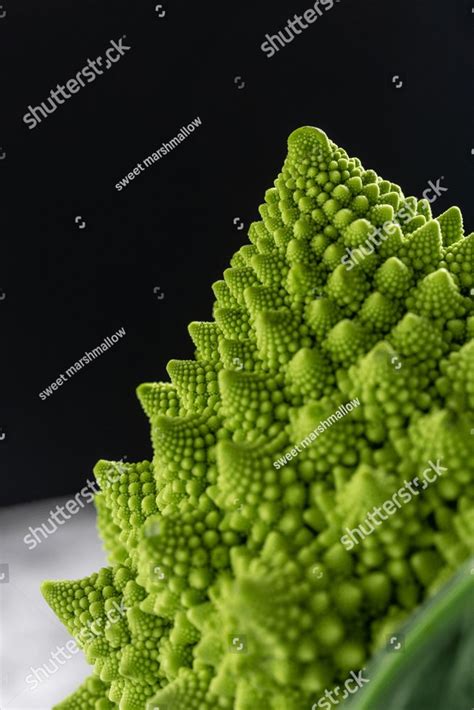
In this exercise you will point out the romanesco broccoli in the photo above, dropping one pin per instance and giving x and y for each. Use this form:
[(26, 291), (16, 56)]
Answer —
[(236, 589)]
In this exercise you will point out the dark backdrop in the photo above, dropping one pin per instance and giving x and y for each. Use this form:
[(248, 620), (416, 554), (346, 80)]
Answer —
[(67, 288)]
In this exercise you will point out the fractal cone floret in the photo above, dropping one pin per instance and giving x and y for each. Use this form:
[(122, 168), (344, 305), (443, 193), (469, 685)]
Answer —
[(230, 583)]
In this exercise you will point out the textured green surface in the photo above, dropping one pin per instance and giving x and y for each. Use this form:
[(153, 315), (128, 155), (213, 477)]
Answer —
[(433, 668), (239, 593)]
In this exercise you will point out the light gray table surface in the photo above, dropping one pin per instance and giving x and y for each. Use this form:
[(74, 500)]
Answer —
[(29, 630)]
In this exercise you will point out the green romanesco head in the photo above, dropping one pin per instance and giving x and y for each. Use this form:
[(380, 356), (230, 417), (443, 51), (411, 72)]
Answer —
[(244, 570)]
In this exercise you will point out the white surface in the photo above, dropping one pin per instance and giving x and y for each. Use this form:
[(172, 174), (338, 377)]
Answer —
[(30, 631)]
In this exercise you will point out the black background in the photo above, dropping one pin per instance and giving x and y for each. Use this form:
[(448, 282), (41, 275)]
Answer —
[(172, 227)]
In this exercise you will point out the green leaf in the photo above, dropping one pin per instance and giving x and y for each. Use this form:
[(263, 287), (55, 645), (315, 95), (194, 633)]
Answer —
[(434, 666)]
